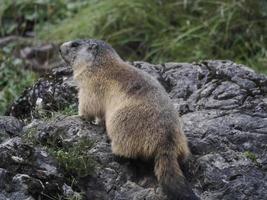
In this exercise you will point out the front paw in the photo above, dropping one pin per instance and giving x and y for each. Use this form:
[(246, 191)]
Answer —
[(81, 117), (96, 121)]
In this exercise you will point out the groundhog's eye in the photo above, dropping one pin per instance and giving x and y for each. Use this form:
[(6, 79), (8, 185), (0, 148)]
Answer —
[(74, 44)]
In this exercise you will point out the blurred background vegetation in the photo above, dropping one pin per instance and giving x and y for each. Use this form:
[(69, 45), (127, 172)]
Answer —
[(155, 31)]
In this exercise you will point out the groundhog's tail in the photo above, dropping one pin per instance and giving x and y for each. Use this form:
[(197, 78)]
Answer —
[(171, 178)]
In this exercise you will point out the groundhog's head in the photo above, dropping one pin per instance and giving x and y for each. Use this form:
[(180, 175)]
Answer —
[(88, 53)]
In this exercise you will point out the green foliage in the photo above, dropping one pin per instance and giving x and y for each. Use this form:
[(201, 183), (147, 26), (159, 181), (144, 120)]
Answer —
[(74, 159), (162, 31), (49, 115), (29, 136), (75, 197), (251, 156), (13, 78), (69, 110), (17, 17)]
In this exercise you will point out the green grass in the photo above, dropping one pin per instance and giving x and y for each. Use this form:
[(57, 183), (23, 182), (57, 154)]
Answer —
[(162, 31), (69, 110), (72, 158), (29, 137), (48, 115), (18, 17), (13, 79), (250, 155)]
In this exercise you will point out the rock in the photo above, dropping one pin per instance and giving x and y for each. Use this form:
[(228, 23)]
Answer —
[(27, 171), (42, 52), (40, 58), (9, 127), (131, 190), (223, 107), (51, 93), (4, 41)]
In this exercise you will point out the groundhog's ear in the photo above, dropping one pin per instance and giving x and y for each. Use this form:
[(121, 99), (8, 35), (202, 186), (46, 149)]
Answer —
[(93, 46)]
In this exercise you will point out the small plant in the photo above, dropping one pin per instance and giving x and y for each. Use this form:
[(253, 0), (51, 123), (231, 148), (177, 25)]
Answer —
[(69, 110), (29, 136), (75, 197), (251, 156), (74, 159), (50, 115)]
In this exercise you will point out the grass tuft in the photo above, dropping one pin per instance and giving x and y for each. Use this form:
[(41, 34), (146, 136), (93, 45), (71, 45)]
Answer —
[(251, 156), (73, 158)]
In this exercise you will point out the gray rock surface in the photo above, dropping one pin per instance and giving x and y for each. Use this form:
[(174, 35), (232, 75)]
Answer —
[(40, 58), (9, 127), (223, 107)]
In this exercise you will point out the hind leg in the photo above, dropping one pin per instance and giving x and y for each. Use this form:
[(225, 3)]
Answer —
[(136, 131), (125, 146)]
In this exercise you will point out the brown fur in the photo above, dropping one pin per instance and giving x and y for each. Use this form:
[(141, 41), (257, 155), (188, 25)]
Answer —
[(140, 118)]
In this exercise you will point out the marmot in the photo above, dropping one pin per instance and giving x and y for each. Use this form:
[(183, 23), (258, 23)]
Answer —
[(140, 118)]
